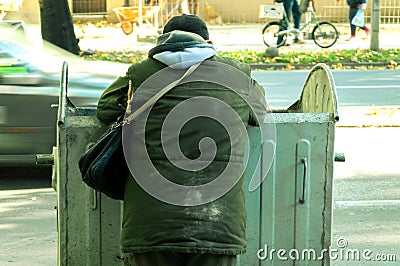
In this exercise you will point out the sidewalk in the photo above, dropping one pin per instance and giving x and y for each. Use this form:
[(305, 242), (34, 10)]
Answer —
[(225, 38), (229, 38), (369, 116)]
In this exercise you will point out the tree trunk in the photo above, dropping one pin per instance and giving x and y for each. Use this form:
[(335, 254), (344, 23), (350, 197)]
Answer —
[(56, 24)]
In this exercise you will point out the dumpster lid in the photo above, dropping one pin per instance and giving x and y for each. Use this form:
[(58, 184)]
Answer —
[(319, 93)]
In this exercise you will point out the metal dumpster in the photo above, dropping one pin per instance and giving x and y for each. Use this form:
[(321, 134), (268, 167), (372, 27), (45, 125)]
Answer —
[(289, 217), (291, 210)]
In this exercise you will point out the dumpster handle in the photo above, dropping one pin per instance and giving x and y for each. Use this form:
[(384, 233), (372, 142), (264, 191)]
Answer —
[(62, 102), (94, 203), (303, 193)]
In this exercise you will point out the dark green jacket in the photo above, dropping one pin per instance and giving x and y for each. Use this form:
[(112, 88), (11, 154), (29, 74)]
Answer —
[(149, 224)]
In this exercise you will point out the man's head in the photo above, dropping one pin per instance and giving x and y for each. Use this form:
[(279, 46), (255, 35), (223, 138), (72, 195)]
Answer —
[(190, 23)]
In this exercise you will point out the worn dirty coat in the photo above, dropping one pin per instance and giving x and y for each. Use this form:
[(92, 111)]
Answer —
[(149, 224)]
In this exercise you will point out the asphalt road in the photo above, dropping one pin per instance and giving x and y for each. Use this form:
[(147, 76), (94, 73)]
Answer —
[(28, 218), (354, 87), (367, 193)]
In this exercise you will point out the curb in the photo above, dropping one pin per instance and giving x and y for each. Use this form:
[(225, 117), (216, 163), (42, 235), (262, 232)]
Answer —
[(280, 66)]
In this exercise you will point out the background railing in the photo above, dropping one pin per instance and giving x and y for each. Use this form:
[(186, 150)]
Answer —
[(338, 12), (247, 11), (238, 11)]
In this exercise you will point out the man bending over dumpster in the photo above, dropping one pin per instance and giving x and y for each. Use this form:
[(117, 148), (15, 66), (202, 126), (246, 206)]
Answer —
[(197, 216)]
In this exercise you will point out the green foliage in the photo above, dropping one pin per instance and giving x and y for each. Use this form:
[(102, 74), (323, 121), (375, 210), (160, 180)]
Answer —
[(335, 58), (116, 56), (323, 56)]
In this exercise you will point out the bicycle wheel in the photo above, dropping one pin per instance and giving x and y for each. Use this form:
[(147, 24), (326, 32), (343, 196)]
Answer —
[(325, 34), (270, 34)]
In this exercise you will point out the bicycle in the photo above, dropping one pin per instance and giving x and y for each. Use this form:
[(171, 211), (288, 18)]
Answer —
[(275, 33)]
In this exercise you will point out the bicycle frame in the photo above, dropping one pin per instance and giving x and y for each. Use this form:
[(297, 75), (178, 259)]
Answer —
[(290, 29), (275, 33)]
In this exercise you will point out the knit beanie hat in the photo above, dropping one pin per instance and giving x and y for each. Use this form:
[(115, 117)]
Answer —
[(190, 23)]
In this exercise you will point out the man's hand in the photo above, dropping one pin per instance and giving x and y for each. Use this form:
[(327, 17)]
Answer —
[(362, 6)]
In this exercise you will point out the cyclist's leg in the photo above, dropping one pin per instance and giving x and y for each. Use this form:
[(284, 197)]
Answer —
[(284, 27), (296, 14), (288, 5)]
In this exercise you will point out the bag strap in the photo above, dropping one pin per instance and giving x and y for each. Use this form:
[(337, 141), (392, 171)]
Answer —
[(159, 94)]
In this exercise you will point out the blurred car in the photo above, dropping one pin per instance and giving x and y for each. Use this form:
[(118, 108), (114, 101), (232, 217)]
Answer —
[(29, 85)]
